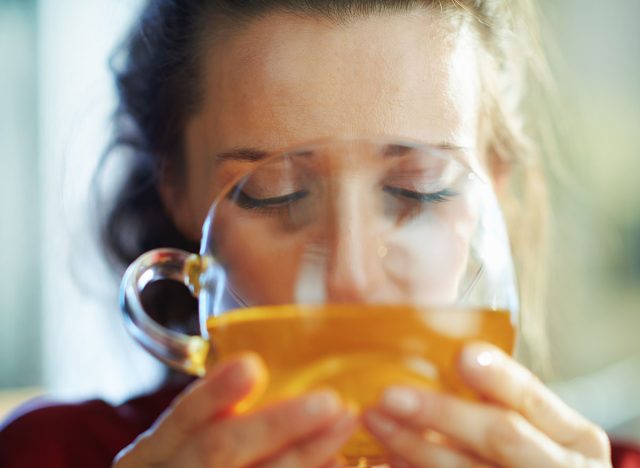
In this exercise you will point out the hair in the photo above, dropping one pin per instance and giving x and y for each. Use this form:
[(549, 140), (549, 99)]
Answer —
[(157, 72)]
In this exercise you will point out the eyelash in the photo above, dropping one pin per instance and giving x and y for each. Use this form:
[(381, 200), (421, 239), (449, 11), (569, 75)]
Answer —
[(272, 205), (435, 197)]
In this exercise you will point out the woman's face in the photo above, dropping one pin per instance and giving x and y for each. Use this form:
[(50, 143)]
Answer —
[(283, 80)]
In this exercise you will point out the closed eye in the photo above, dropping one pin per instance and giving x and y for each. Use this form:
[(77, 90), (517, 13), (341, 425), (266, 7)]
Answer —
[(244, 200), (432, 197)]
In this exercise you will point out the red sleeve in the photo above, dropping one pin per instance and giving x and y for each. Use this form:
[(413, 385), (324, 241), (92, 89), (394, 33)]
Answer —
[(86, 434), (625, 454)]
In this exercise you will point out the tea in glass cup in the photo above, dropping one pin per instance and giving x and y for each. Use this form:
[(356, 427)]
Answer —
[(353, 264)]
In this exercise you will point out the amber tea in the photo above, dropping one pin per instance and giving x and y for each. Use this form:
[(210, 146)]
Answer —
[(358, 350)]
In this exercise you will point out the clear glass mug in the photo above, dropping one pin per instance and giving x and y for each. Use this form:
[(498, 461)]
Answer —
[(350, 263)]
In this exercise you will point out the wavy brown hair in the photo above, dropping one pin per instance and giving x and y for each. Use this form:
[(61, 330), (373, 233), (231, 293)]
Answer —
[(158, 72)]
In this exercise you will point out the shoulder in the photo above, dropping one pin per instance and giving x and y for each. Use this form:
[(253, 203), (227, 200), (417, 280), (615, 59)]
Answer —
[(88, 433), (43, 432)]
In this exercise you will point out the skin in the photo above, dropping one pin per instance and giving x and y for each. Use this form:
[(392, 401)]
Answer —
[(284, 80), (346, 233)]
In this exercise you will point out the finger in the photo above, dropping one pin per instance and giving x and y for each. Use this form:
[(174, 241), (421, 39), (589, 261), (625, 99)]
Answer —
[(225, 385), (318, 451), (498, 377), (498, 435), (410, 448), (255, 437), (216, 393)]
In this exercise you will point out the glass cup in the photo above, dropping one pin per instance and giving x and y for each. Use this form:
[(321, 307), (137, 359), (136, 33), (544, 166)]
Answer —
[(354, 264)]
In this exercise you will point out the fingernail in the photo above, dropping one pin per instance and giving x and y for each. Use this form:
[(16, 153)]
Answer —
[(321, 402), (478, 357), (400, 401), (245, 369), (379, 423)]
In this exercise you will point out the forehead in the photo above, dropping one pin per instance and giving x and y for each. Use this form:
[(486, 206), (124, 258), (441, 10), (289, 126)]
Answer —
[(285, 79)]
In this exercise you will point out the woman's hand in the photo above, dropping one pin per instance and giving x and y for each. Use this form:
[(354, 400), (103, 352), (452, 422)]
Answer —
[(200, 428), (520, 422)]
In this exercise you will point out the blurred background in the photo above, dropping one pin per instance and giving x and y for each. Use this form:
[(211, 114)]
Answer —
[(60, 327)]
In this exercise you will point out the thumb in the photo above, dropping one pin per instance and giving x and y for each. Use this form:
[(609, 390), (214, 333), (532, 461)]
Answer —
[(228, 387)]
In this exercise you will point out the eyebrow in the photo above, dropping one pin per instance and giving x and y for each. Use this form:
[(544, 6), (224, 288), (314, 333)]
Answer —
[(450, 146), (242, 154), (254, 154), (395, 150)]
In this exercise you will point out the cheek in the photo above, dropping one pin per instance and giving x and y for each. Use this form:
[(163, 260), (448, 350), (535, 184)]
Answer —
[(261, 263), (428, 261)]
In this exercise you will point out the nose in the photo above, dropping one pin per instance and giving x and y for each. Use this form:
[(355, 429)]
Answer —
[(353, 266)]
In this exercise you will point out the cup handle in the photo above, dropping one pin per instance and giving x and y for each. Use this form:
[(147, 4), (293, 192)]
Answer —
[(186, 353)]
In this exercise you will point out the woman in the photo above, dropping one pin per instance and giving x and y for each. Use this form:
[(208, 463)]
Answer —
[(201, 78)]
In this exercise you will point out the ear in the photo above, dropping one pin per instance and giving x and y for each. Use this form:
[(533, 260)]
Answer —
[(176, 201), (500, 172)]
